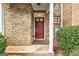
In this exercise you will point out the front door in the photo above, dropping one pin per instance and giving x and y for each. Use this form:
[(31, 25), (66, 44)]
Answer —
[(39, 28)]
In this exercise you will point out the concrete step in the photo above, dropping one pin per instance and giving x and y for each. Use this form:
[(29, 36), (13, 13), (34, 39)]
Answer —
[(36, 50), (30, 54)]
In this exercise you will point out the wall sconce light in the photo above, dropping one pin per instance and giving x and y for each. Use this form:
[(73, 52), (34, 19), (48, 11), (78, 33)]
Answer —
[(38, 4)]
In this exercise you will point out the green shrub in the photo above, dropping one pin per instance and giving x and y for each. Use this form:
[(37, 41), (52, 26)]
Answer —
[(75, 52), (2, 43), (68, 39)]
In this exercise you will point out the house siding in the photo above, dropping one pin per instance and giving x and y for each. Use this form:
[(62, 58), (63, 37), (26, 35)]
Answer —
[(17, 24)]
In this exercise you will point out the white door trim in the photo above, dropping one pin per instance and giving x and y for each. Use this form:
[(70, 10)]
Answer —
[(44, 25)]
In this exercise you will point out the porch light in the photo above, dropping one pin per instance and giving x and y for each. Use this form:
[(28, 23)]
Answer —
[(38, 4)]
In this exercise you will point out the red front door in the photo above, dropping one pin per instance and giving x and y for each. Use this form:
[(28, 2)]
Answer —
[(39, 27)]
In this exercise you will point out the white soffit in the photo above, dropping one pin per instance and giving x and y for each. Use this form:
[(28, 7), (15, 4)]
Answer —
[(42, 6)]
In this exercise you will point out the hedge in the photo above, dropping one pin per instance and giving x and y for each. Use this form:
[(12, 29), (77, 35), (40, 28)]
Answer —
[(68, 39), (2, 43)]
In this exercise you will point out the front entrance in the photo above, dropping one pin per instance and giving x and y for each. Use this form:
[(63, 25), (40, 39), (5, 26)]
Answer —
[(39, 28)]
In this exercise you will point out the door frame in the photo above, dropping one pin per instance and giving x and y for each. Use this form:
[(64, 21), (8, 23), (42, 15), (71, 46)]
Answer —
[(44, 28)]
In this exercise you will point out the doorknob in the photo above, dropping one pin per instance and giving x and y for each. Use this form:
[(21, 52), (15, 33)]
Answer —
[(33, 35)]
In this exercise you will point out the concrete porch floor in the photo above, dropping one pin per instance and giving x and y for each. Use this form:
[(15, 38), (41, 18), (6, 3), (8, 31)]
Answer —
[(33, 50)]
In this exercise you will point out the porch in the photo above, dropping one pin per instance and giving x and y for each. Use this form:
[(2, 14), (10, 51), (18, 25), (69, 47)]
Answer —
[(20, 28)]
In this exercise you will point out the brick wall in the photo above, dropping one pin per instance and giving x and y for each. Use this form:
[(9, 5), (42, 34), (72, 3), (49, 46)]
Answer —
[(75, 14), (67, 14), (71, 14)]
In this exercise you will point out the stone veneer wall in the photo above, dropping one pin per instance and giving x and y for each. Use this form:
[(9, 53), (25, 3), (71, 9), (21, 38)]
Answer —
[(17, 23)]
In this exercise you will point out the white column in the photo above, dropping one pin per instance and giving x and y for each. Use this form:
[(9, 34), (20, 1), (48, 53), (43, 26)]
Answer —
[(62, 15), (51, 28), (3, 18), (0, 17)]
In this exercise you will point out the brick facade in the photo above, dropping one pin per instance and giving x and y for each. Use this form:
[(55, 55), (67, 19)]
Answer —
[(75, 14), (67, 10), (71, 14)]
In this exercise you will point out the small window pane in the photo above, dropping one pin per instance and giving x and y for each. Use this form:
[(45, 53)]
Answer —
[(41, 19), (37, 19)]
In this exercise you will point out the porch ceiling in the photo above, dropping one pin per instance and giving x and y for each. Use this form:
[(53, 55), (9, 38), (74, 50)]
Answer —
[(42, 6)]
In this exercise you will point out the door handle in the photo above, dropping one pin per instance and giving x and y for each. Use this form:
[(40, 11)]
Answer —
[(33, 35)]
